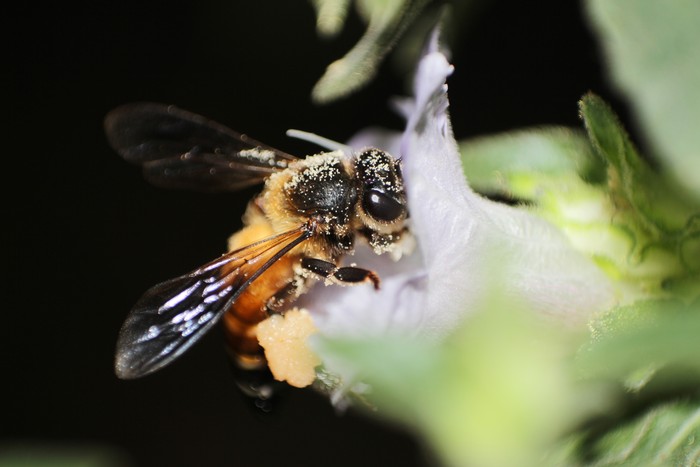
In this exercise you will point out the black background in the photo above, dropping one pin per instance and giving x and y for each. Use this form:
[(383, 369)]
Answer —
[(88, 235)]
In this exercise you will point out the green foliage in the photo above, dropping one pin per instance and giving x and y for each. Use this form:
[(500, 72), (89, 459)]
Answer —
[(656, 204), (661, 218), (653, 334), (386, 22), (652, 349), (634, 222), (652, 50), (507, 389), (498, 392), (499, 163), (666, 435), (642, 228), (330, 16)]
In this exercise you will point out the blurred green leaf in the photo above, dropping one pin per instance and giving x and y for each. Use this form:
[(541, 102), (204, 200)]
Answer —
[(652, 49), (330, 16), (504, 390), (387, 20), (42, 454), (495, 163), (668, 435), (497, 393), (652, 350), (646, 335)]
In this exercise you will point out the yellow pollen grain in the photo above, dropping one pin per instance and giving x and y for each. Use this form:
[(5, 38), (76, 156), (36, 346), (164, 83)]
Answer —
[(288, 355)]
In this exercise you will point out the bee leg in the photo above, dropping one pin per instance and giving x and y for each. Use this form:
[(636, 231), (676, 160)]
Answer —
[(347, 274), (280, 301)]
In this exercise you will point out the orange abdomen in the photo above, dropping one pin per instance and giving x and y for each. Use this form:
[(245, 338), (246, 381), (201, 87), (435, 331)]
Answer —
[(249, 309)]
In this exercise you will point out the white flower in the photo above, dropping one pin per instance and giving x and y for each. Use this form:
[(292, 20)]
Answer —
[(468, 246)]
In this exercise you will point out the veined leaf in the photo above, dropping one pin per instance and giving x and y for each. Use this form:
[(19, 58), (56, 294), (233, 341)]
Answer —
[(668, 435)]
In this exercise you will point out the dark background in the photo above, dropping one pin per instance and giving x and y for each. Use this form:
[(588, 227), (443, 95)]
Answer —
[(88, 235)]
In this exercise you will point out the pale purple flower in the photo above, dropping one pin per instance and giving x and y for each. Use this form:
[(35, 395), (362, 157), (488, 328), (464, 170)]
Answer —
[(468, 247)]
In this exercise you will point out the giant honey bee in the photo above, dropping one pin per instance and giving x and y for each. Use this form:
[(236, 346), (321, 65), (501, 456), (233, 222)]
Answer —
[(307, 217)]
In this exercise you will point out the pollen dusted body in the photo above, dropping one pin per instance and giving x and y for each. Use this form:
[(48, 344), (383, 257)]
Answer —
[(306, 219), (320, 191)]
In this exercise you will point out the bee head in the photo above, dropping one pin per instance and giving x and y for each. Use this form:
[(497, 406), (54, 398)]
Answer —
[(382, 198)]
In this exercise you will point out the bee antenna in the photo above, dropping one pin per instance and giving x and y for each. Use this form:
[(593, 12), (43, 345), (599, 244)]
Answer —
[(319, 141)]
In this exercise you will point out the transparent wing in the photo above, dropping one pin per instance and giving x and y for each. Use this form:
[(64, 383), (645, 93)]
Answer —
[(173, 315), (179, 149)]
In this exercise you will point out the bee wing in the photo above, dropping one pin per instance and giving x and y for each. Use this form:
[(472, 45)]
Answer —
[(179, 149), (174, 314)]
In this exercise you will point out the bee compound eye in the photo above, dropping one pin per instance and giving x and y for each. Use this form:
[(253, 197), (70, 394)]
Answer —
[(381, 206)]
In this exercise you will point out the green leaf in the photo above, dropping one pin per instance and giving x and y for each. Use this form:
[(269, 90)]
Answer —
[(652, 48), (496, 393), (556, 171), (612, 206), (330, 16), (668, 435), (496, 163), (60, 454), (663, 221), (387, 20), (631, 343), (656, 204), (651, 350)]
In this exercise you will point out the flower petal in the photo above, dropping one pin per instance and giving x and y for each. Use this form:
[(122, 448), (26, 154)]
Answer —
[(468, 245)]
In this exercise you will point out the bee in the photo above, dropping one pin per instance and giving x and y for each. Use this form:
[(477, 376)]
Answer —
[(306, 219)]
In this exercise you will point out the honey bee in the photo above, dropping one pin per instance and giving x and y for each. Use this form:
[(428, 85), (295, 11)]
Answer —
[(297, 230)]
